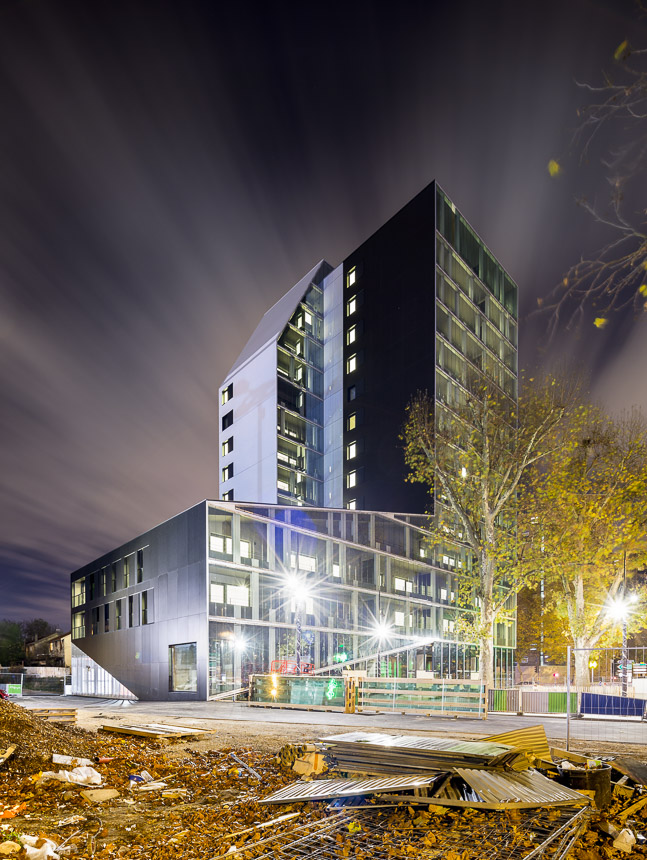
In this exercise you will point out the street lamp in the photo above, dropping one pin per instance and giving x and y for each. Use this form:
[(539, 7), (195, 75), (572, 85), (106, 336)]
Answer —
[(382, 631), (620, 609), (299, 590)]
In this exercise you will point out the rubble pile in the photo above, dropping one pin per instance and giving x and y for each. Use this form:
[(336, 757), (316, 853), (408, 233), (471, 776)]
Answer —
[(69, 793)]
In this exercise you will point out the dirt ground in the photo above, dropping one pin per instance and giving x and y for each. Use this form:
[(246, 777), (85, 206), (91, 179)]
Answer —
[(209, 806)]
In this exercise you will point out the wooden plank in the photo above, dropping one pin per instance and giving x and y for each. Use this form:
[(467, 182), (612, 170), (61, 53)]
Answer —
[(58, 715), (7, 753), (631, 767), (575, 758)]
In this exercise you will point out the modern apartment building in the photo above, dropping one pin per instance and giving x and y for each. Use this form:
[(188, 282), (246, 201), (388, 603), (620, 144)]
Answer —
[(312, 482), (312, 409)]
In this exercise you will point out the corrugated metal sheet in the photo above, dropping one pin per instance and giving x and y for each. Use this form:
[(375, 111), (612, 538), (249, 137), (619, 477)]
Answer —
[(330, 788), (419, 742), (529, 788), (531, 740)]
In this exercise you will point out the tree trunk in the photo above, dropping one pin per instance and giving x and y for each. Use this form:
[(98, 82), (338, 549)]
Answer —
[(582, 672)]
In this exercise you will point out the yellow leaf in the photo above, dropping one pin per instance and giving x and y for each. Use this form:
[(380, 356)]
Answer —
[(622, 51), (600, 322), (642, 289), (554, 167)]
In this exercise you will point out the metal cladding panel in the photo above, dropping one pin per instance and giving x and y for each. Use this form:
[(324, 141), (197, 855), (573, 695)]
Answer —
[(329, 788), (530, 788), (418, 742), (175, 575), (531, 740)]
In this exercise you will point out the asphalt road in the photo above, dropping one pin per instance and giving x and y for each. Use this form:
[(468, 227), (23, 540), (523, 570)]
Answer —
[(599, 731)]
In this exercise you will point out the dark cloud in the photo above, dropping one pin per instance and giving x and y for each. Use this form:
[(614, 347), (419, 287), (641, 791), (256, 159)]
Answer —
[(169, 169)]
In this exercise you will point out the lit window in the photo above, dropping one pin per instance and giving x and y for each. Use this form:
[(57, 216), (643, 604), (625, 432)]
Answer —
[(78, 625), (443, 594), (228, 419), (352, 504), (227, 446), (350, 277), (335, 570), (78, 592), (118, 614), (308, 317), (399, 619), (351, 421), (183, 668), (237, 595), (283, 485), (351, 335), (351, 479), (245, 549), (227, 393), (399, 584), (228, 472), (351, 306), (217, 543), (409, 586), (126, 572), (146, 613), (228, 496), (352, 392), (351, 451), (216, 593), (351, 364)]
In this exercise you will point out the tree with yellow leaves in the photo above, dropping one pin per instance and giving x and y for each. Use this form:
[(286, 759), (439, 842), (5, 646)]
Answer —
[(613, 129), (473, 454), (582, 521)]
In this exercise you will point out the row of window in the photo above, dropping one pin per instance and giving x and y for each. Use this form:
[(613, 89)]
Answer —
[(106, 581), (133, 611)]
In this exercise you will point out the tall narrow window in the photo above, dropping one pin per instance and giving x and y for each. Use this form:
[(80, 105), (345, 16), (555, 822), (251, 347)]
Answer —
[(144, 607), (118, 614), (227, 446), (351, 335), (352, 504), (140, 565), (351, 277), (126, 572), (351, 479), (351, 364), (104, 581), (228, 496), (228, 419), (351, 421), (351, 306), (183, 667), (351, 393), (131, 610), (351, 451), (91, 579), (228, 472), (113, 576), (106, 618), (227, 393)]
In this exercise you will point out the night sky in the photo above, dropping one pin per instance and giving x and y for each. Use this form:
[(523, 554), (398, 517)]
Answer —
[(169, 170)]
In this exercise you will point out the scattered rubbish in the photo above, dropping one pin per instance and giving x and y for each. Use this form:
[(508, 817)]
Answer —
[(98, 795), (11, 811), (7, 753), (589, 779), (625, 840), (78, 776), (249, 769), (328, 788), (9, 847), (38, 848), (175, 793), (72, 819), (70, 760), (632, 768)]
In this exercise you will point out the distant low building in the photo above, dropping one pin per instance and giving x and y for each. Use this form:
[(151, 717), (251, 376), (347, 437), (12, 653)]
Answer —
[(52, 650)]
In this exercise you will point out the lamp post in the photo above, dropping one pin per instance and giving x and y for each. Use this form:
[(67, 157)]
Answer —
[(299, 590), (381, 631), (620, 609)]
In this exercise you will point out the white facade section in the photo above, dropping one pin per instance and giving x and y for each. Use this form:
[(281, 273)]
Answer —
[(333, 296), (253, 430)]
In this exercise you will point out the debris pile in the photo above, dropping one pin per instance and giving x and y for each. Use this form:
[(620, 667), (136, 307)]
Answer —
[(67, 793)]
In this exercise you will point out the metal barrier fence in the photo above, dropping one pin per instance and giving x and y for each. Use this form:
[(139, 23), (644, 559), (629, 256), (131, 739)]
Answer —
[(404, 695), (11, 683), (422, 696), (521, 701)]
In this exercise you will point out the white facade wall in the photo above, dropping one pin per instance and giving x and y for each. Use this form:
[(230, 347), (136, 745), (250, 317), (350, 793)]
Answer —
[(253, 430), (333, 294)]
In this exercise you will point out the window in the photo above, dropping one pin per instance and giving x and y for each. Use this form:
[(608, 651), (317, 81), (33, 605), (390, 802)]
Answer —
[(336, 570), (227, 393), (237, 595), (228, 419), (126, 572), (351, 364), (78, 625), (351, 306), (78, 592), (227, 446), (183, 668), (104, 581), (131, 610), (217, 543), (228, 472), (228, 496), (106, 618), (351, 451), (91, 586), (113, 576), (140, 565), (352, 504), (351, 277), (351, 421), (216, 593), (146, 619), (351, 479), (351, 392), (351, 335), (399, 584), (399, 619), (245, 549), (118, 614), (95, 615)]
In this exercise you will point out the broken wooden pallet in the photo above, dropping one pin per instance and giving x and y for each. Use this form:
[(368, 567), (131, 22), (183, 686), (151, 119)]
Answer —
[(55, 715), (155, 731)]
